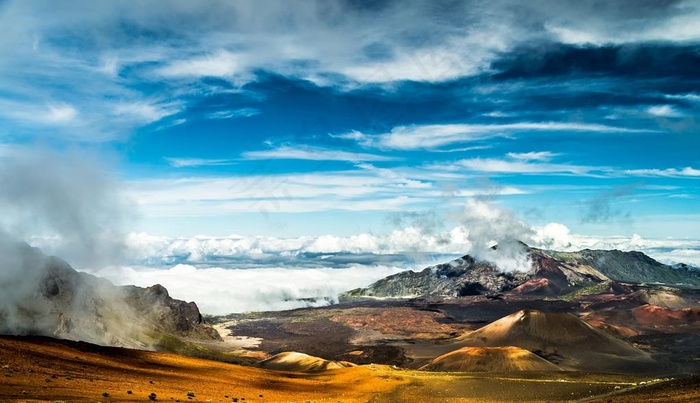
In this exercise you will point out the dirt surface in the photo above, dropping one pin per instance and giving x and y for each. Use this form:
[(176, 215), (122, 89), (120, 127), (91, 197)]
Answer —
[(686, 389), (410, 333), (40, 369)]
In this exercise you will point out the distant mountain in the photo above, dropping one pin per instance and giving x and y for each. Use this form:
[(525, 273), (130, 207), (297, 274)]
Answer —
[(631, 267), (551, 273), (44, 295)]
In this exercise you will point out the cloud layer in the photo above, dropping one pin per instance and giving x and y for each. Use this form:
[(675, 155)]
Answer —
[(238, 274)]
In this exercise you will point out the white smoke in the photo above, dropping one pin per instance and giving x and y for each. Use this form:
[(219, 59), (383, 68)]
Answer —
[(496, 235), (68, 198)]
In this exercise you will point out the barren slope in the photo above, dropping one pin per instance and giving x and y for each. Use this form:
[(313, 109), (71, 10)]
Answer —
[(563, 339), (300, 362), (41, 369), (489, 359)]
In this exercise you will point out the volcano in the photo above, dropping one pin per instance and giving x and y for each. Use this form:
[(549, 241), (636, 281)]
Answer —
[(300, 362), (550, 273), (489, 359), (561, 338)]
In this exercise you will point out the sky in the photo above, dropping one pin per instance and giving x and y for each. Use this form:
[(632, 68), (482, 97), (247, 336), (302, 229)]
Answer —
[(296, 128), (331, 117)]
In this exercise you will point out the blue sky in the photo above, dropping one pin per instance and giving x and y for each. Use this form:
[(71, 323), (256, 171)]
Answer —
[(293, 118)]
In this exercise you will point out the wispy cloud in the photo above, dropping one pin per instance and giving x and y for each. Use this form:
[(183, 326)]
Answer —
[(434, 136), (365, 189), (235, 113), (310, 153), (606, 207), (688, 172), (533, 156), (221, 64), (198, 162), (665, 111), (526, 167), (692, 97), (53, 114), (145, 112), (61, 113)]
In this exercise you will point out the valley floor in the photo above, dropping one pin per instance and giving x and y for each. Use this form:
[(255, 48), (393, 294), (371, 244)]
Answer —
[(35, 369)]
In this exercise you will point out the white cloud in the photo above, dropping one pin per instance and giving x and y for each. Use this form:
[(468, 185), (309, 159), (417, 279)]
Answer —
[(434, 136), (521, 167), (198, 162), (145, 112), (570, 35), (60, 113), (53, 114), (665, 111), (221, 64), (144, 247), (533, 156), (589, 24), (688, 172), (304, 192), (693, 97), (477, 227), (430, 65), (235, 113), (428, 136), (311, 153), (110, 66)]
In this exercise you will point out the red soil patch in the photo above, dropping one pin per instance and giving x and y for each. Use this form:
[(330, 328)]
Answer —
[(657, 316)]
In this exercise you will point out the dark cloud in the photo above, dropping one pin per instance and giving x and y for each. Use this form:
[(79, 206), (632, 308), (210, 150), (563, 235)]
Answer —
[(631, 60)]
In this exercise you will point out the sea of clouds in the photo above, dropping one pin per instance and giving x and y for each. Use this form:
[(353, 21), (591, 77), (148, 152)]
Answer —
[(257, 273)]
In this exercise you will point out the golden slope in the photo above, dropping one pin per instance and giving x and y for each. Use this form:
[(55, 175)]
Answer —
[(300, 362), (34, 369), (489, 359)]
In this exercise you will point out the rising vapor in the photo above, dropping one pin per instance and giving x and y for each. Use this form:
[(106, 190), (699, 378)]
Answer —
[(68, 198)]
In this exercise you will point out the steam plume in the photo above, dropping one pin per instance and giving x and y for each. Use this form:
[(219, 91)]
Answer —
[(67, 197), (70, 199), (489, 225)]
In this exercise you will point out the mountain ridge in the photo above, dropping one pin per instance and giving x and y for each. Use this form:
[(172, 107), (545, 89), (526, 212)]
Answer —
[(48, 297), (551, 273)]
